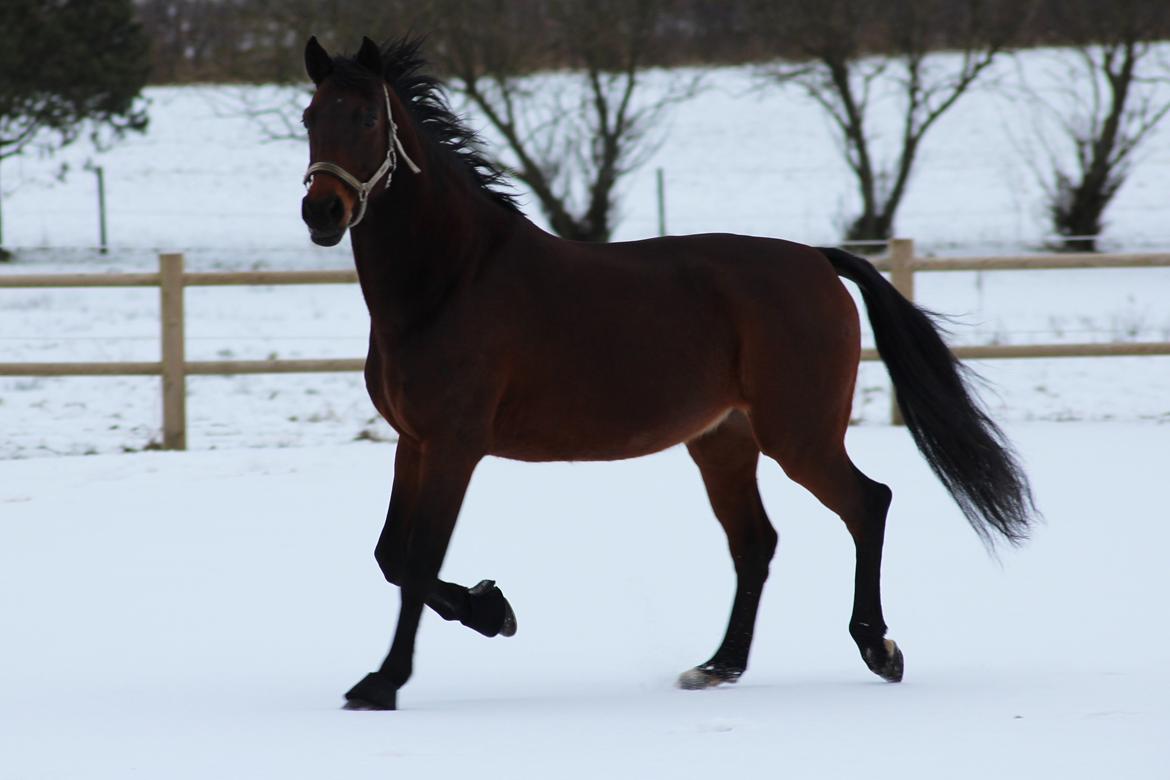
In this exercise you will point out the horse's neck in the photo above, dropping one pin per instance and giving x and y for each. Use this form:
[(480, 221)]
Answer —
[(415, 246)]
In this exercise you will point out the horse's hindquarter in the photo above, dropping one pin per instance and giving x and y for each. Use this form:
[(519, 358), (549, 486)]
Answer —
[(620, 350)]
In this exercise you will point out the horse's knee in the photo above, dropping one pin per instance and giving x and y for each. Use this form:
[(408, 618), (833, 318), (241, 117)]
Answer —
[(402, 572), (389, 560)]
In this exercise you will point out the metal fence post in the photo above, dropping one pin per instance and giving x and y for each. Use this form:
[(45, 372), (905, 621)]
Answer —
[(902, 277), (660, 178), (101, 188), (174, 378)]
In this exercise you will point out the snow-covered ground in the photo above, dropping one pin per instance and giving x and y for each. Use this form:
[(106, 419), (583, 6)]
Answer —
[(200, 614), (193, 615)]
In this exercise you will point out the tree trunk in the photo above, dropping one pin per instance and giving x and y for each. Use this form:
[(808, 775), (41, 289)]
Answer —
[(870, 226), (1078, 207)]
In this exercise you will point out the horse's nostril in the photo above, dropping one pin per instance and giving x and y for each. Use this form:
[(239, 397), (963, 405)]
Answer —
[(324, 214), (336, 209)]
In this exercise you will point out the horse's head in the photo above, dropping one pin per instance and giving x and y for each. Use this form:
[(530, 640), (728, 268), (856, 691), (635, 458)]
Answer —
[(353, 139)]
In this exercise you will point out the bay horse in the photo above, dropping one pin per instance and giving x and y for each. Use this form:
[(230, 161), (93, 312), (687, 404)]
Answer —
[(489, 336)]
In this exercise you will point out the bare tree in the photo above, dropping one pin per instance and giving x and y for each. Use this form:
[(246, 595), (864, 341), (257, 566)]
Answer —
[(572, 145), (1112, 104), (570, 136), (191, 40), (848, 51), (265, 81), (273, 109)]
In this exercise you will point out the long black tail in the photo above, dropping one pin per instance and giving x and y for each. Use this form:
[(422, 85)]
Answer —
[(967, 451)]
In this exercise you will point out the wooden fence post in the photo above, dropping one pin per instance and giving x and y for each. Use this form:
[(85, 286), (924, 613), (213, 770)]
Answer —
[(902, 277), (174, 378)]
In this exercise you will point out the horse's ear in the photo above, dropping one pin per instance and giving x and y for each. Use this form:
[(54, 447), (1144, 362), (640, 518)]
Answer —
[(318, 63), (369, 57)]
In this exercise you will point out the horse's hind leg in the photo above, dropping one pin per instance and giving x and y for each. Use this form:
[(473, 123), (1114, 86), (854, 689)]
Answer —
[(867, 626), (824, 468), (727, 458)]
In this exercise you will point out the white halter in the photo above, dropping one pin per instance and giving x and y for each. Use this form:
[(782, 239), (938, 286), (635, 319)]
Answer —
[(387, 168)]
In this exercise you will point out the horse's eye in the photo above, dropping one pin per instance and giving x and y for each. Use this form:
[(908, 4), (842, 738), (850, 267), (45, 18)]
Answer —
[(370, 119)]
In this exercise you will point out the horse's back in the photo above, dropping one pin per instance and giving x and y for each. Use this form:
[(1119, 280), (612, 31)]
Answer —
[(636, 346), (776, 295)]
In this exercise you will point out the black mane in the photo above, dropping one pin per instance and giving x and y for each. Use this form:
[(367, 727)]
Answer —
[(425, 98)]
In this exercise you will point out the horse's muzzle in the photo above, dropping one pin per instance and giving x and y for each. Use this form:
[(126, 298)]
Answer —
[(326, 239), (325, 218)]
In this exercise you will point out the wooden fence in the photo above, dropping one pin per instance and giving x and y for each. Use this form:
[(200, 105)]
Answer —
[(172, 366), (171, 279)]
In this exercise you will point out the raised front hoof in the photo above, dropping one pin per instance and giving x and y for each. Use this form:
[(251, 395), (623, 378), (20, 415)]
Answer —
[(509, 626), (706, 676), (374, 692), (489, 612), (889, 665)]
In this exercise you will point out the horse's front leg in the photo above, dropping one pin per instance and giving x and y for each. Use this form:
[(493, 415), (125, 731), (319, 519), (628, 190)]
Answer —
[(429, 485), (481, 607)]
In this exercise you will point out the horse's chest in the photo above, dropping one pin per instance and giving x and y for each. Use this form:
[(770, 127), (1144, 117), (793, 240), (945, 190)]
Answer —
[(417, 391), (388, 389), (385, 383)]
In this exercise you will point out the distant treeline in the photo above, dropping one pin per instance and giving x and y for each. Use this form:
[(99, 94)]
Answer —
[(262, 40)]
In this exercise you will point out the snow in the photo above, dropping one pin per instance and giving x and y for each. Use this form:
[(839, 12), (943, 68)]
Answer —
[(200, 614)]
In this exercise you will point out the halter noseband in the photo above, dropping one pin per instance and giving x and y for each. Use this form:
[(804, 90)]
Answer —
[(387, 168)]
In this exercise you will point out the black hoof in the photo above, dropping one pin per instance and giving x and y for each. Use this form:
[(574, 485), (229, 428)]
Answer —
[(707, 676), (489, 612), (509, 626), (374, 692), (889, 665)]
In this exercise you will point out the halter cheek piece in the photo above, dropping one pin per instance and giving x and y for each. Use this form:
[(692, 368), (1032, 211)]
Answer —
[(389, 165)]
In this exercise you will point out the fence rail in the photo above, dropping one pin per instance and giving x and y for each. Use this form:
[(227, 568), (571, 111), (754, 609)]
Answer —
[(173, 367), (171, 279)]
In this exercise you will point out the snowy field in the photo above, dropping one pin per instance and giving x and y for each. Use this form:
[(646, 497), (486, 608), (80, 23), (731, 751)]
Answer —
[(736, 158), (195, 615), (200, 615)]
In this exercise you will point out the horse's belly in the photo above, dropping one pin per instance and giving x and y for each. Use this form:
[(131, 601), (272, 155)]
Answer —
[(544, 429), (633, 444)]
